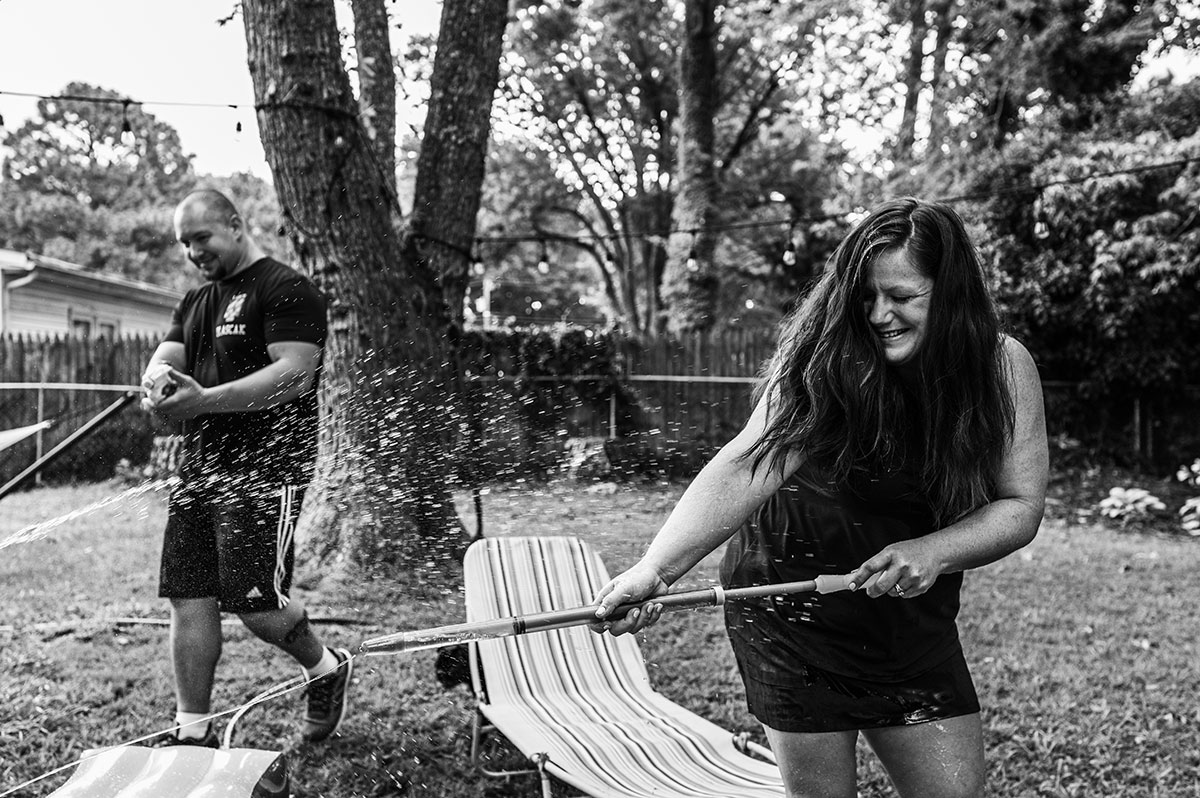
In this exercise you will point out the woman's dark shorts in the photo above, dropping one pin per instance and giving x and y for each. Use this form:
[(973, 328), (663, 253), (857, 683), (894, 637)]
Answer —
[(819, 701)]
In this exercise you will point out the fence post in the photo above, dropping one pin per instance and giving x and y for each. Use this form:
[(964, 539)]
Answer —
[(1137, 427), (41, 414)]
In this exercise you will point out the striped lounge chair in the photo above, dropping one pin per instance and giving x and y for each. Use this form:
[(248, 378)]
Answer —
[(578, 705), (178, 772)]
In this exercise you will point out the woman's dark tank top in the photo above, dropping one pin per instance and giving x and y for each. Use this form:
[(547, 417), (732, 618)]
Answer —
[(799, 534)]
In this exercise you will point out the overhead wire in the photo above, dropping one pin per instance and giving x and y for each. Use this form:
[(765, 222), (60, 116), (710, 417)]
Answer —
[(791, 220)]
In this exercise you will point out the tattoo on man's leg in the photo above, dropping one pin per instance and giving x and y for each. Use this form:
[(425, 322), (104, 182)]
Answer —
[(299, 631)]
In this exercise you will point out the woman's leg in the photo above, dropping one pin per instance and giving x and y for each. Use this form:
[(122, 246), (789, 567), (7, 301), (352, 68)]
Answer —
[(937, 759), (816, 765)]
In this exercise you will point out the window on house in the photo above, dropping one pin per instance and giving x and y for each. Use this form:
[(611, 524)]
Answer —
[(108, 330), (81, 328)]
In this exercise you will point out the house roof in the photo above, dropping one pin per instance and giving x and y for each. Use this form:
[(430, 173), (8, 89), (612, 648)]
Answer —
[(15, 265)]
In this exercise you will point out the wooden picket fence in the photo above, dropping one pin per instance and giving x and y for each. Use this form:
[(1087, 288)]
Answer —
[(697, 388), (687, 396), (687, 393), (67, 381)]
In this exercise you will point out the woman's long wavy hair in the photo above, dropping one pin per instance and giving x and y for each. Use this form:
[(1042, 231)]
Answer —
[(836, 403)]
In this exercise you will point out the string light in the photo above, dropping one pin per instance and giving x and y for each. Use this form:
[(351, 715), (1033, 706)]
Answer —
[(543, 264), (1041, 227), (691, 264), (476, 261), (127, 137), (789, 252)]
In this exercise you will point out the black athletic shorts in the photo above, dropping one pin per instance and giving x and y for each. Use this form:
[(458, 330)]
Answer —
[(231, 540), (819, 701)]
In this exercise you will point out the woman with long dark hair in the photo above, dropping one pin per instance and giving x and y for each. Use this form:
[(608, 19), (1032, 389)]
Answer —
[(898, 435)]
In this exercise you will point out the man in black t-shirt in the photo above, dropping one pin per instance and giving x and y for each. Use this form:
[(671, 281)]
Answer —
[(239, 369)]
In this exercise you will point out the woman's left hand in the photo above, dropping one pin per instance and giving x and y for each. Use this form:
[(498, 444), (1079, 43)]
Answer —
[(902, 570)]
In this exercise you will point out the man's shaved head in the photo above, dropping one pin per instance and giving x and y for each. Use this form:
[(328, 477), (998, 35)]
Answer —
[(211, 202), (213, 235)]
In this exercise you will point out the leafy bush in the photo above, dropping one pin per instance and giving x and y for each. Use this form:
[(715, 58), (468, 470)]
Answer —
[(1189, 513), (1127, 504)]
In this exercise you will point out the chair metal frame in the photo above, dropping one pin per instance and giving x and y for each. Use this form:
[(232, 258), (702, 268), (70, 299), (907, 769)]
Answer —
[(579, 706)]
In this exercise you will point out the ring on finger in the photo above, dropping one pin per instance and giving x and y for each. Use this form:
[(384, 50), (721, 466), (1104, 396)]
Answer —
[(899, 591)]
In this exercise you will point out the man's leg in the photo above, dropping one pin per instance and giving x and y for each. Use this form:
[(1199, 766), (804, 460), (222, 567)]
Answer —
[(287, 628), (195, 650), (328, 669), (255, 536)]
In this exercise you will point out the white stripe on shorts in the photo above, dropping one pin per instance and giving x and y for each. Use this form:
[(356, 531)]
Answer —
[(284, 531)]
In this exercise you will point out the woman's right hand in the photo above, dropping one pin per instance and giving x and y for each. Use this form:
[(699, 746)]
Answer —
[(639, 583)]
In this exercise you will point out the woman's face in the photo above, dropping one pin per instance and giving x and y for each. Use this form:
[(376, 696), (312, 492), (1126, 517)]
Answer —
[(897, 299)]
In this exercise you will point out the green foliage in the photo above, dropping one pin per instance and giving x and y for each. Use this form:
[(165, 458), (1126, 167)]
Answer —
[(1021, 56), (1189, 513), (1125, 504), (74, 190), (75, 149), (1099, 273), (589, 92)]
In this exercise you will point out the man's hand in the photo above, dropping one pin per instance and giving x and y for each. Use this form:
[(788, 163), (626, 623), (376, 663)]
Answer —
[(188, 399), (157, 383)]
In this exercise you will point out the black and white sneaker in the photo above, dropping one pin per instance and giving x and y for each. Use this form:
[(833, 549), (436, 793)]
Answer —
[(209, 740), (328, 699)]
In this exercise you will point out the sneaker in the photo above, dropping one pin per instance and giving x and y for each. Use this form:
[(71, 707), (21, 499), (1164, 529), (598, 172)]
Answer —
[(327, 702), (209, 740)]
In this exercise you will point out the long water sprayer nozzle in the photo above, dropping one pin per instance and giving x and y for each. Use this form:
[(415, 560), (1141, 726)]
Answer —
[(453, 634)]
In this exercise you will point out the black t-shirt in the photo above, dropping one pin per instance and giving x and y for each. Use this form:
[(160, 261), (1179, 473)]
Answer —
[(798, 534), (225, 328)]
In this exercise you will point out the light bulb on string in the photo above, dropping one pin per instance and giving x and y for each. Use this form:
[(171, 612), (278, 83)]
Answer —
[(691, 265), (127, 137), (476, 261), (610, 262), (789, 251), (1041, 229), (543, 266)]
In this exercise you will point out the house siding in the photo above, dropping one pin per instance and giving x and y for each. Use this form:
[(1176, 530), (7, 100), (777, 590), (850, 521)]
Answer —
[(63, 299), (45, 309)]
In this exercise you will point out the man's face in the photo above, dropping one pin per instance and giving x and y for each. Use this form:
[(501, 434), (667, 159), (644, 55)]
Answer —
[(211, 242)]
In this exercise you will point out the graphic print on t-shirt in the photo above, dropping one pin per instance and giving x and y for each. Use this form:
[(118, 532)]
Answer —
[(232, 312)]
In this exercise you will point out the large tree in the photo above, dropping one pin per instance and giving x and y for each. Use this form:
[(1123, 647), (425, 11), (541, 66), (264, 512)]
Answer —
[(691, 280), (593, 89), (384, 470)]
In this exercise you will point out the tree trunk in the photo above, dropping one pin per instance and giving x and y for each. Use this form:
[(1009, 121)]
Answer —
[(381, 492), (450, 168), (918, 28), (938, 123), (376, 83), (690, 284)]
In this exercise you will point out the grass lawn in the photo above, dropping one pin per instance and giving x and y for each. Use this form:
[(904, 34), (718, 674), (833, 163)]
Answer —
[(1082, 645)]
